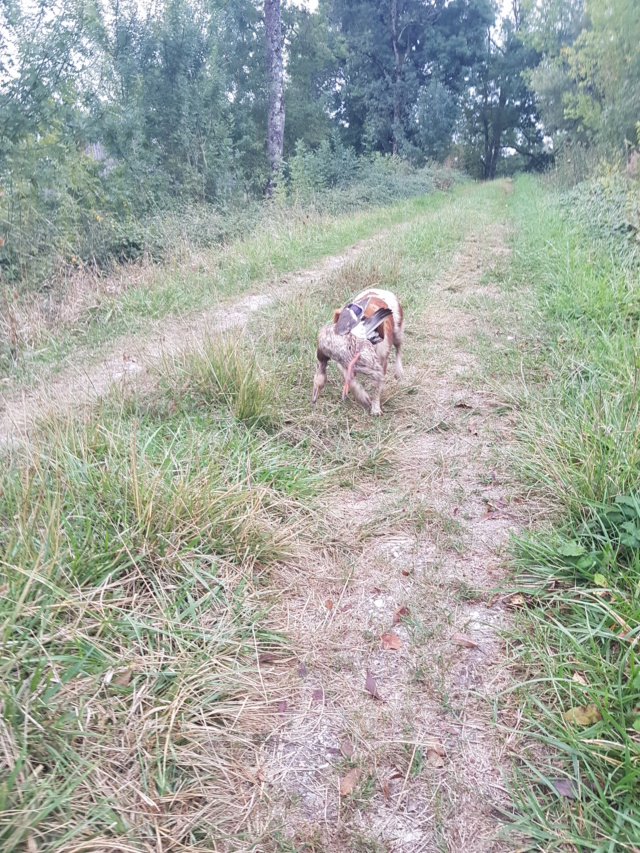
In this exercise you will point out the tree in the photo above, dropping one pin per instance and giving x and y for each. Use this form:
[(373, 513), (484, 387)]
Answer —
[(396, 47), (275, 76), (315, 51), (501, 112)]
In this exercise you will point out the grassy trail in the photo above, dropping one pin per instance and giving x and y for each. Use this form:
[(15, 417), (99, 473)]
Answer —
[(199, 573)]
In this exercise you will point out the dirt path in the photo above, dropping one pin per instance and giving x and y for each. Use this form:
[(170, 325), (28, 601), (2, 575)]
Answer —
[(413, 556), (83, 382), (424, 759)]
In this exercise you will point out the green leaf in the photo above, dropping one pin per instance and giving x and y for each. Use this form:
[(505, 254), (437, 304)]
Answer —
[(571, 549), (636, 724), (627, 500), (599, 580)]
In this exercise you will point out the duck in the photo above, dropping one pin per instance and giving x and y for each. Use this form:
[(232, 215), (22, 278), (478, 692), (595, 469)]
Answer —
[(352, 321)]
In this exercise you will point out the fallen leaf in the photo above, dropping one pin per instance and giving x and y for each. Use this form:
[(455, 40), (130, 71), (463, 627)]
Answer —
[(346, 607), (318, 694), (463, 640), (456, 510), (328, 604), (333, 750), (579, 679), (463, 405), (347, 748), (566, 788), (266, 657), (391, 641), (495, 598), (348, 783), (583, 715), (302, 670), (282, 706), (406, 572), (434, 759), (386, 792), (516, 600), (437, 747), (370, 685), (123, 678), (399, 613)]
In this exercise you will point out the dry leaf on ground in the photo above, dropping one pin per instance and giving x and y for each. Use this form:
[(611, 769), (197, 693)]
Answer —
[(463, 640), (349, 782), (328, 604), (347, 748), (583, 715), (399, 613), (579, 679), (391, 641), (370, 685), (434, 759), (516, 600), (566, 788), (122, 679)]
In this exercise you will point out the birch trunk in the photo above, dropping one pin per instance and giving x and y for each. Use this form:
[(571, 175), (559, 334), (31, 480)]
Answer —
[(275, 120)]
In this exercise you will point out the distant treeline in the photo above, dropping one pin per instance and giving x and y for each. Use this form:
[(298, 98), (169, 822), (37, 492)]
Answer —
[(113, 110)]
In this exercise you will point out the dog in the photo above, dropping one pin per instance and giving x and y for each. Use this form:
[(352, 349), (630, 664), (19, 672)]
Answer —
[(372, 359)]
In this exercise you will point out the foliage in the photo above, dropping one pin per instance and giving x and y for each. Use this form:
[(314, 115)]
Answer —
[(575, 644), (588, 81), (500, 110), (390, 57)]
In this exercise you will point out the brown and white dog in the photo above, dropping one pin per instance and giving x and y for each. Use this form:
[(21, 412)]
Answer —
[(373, 359)]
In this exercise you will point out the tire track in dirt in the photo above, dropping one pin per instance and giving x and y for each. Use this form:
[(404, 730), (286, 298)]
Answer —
[(429, 538), (129, 359)]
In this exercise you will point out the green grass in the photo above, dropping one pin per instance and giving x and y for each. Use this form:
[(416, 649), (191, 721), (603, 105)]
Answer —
[(140, 663), (287, 241), (575, 642)]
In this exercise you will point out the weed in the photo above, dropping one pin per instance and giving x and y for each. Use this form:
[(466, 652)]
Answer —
[(574, 645)]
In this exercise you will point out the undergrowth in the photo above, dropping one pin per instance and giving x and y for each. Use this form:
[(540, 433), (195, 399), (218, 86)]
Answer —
[(574, 650)]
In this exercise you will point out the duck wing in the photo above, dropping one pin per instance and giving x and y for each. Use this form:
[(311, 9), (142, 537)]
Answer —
[(372, 323)]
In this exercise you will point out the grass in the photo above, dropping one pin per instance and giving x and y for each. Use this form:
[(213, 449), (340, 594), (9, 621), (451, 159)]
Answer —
[(88, 311), (139, 659), (574, 644), (141, 548)]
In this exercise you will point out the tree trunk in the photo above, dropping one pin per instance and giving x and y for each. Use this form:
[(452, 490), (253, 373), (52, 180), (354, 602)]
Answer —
[(397, 75), (497, 135), (275, 121)]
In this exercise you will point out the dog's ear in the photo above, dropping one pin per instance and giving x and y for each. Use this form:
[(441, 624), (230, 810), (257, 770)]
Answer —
[(336, 314)]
